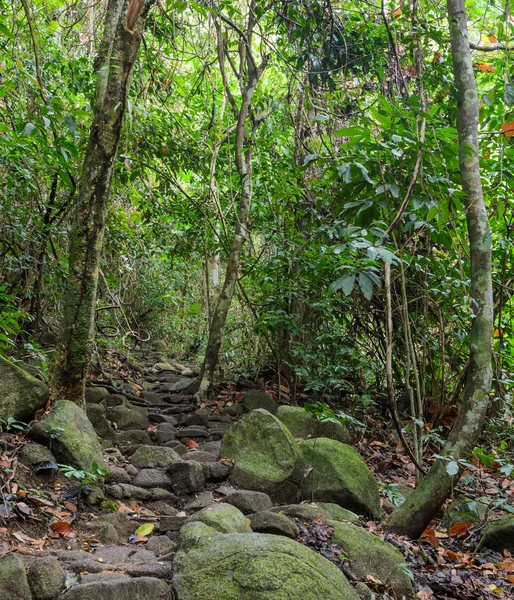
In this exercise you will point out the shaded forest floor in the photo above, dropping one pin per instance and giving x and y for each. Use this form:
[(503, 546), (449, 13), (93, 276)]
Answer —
[(448, 562)]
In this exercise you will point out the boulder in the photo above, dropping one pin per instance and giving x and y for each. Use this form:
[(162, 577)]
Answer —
[(96, 414), (21, 394), (202, 500), (267, 458), (32, 454), (254, 566), (303, 425), (249, 502), (187, 477), (308, 512), (127, 417), (14, 584), (499, 534), (271, 522), (340, 475), (94, 395), (120, 587), (369, 555), (70, 436), (118, 475), (254, 399), (134, 437), (200, 456), (46, 578), (154, 456), (338, 513), (224, 518), (152, 478)]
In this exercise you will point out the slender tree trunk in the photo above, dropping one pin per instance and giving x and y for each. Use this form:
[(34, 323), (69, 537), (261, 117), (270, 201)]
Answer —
[(119, 49), (412, 517)]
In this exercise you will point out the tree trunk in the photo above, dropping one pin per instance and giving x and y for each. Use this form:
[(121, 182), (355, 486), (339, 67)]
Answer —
[(412, 517), (119, 49)]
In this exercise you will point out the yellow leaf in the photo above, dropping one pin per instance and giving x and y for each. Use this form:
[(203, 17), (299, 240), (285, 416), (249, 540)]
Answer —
[(145, 529)]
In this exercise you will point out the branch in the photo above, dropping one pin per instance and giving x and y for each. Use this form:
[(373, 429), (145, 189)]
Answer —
[(491, 47)]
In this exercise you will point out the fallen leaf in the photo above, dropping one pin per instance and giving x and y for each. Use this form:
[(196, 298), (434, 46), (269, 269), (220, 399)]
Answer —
[(145, 529), (61, 527)]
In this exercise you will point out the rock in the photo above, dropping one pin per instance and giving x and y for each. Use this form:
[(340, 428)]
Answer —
[(115, 400), (233, 410), (499, 534), (128, 418), (120, 587), (163, 508), (267, 458), (193, 432), (95, 496), (96, 414), (202, 500), (254, 399), (33, 454), (131, 470), (249, 502), (179, 447), (94, 395), (46, 578), (369, 555), (70, 435), (219, 471), (255, 566), (199, 456), (151, 397), (160, 545), (123, 525), (152, 478), (163, 494), (134, 437), (154, 456), (132, 491), (166, 432), (104, 532), (211, 447), (187, 477), (309, 512), (172, 523), (196, 418), (192, 532), (13, 578), (340, 475), (21, 394), (338, 513), (276, 523), (179, 386), (118, 475), (303, 425), (465, 510), (224, 518), (364, 592)]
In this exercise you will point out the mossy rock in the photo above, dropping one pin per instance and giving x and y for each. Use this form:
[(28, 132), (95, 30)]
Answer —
[(369, 555), (339, 475), (338, 513), (150, 457), (256, 566), (13, 579), (267, 458), (96, 414), (304, 426), (21, 394), (69, 433), (46, 578), (305, 511), (224, 518), (255, 399), (499, 534), (32, 454)]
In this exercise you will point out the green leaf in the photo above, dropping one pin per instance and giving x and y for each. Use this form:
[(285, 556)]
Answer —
[(366, 286), (345, 283), (71, 124), (509, 94), (29, 129), (309, 158), (145, 529), (452, 468), (6, 32)]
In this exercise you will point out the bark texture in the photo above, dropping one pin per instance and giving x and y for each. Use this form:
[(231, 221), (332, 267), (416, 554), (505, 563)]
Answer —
[(119, 49), (412, 517)]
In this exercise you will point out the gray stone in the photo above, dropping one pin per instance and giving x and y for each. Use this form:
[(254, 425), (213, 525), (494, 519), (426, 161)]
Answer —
[(161, 544), (249, 502), (152, 478), (254, 399), (104, 532), (200, 456), (172, 523), (94, 496), (69, 433), (127, 418), (32, 454), (132, 491), (234, 410), (192, 432), (306, 511), (162, 494), (46, 578), (118, 475), (202, 500), (96, 414), (134, 437), (114, 400), (163, 508), (122, 587), (271, 522), (13, 578), (187, 477), (94, 395), (211, 447), (218, 471), (499, 534), (21, 394), (179, 447), (154, 456), (120, 521)]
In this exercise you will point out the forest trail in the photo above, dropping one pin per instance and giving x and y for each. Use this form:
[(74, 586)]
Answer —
[(171, 491)]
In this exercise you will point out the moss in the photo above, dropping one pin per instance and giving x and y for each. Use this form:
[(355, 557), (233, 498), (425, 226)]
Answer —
[(304, 511), (21, 394), (369, 555), (13, 579), (499, 534), (257, 567), (340, 475), (224, 518), (46, 578), (154, 456), (304, 426), (267, 458), (338, 513)]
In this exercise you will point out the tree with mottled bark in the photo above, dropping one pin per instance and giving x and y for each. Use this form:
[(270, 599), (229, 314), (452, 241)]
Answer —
[(412, 517), (124, 23), (249, 75)]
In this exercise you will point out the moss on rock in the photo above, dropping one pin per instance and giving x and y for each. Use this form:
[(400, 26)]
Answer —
[(150, 457), (338, 513), (70, 436), (256, 567), (499, 534), (13, 579), (369, 555), (340, 475), (303, 425), (267, 458), (224, 518)]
